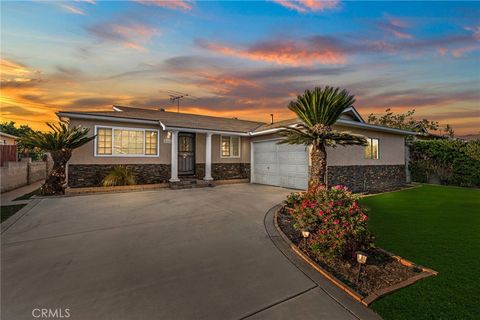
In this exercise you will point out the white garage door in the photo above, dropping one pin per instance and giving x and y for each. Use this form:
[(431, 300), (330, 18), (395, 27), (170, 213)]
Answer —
[(280, 164)]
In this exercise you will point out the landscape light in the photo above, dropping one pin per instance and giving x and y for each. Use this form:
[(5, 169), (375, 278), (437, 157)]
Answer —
[(361, 257)]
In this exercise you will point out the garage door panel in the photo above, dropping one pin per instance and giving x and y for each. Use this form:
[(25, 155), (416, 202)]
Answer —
[(280, 165)]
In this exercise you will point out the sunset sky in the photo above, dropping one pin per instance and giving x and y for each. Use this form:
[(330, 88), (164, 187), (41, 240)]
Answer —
[(243, 60)]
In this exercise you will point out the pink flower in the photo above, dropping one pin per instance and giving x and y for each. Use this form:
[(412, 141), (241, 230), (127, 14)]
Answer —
[(336, 221), (320, 213), (313, 205)]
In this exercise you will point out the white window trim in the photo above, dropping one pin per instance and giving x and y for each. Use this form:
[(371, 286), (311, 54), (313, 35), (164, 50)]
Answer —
[(126, 155), (239, 147), (378, 147)]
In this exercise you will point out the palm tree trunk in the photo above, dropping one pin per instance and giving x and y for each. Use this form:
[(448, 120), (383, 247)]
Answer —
[(56, 183), (318, 172)]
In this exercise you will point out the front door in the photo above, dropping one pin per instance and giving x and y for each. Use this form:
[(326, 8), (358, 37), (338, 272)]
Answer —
[(186, 153)]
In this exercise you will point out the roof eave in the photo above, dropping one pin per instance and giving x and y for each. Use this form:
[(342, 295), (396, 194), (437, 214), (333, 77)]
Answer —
[(347, 123)]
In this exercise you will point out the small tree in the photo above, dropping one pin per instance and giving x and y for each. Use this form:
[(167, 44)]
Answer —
[(318, 110), (60, 142)]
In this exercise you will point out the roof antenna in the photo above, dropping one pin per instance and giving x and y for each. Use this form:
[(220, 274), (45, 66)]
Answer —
[(271, 115), (177, 98)]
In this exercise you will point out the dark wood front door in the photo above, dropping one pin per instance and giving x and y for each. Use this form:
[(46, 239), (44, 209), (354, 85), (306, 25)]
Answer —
[(186, 153)]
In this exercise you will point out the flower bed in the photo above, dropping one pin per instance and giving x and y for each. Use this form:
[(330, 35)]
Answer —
[(337, 228)]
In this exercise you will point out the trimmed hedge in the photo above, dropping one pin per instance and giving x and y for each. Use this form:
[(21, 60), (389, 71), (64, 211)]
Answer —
[(450, 162)]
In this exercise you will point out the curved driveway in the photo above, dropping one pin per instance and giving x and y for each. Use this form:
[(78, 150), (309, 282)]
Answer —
[(167, 254)]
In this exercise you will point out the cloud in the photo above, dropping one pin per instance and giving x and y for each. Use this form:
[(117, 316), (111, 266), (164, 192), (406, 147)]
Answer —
[(306, 6), (459, 52), (72, 9), (395, 26), (17, 75), (170, 4), (308, 51), (128, 34)]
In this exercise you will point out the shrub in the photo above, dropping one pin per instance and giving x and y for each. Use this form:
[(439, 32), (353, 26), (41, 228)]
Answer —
[(337, 223), (452, 162), (119, 176)]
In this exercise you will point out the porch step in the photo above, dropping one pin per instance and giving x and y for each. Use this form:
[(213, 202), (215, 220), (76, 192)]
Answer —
[(189, 183)]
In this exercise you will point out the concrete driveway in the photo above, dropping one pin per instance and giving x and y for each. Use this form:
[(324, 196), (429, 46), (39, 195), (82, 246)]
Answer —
[(168, 254)]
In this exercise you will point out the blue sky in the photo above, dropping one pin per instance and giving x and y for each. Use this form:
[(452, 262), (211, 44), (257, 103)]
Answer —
[(244, 59)]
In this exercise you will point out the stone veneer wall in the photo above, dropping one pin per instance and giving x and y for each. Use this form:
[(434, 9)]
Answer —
[(367, 178), (224, 171), (91, 175)]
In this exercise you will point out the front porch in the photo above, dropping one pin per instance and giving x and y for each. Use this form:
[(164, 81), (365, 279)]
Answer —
[(208, 156)]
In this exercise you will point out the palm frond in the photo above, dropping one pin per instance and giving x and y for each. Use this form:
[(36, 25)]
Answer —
[(321, 106), (335, 138), (61, 137)]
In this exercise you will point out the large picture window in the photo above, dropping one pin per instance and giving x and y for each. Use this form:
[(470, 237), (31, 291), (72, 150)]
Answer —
[(371, 150), (230, 146), (114, 141)]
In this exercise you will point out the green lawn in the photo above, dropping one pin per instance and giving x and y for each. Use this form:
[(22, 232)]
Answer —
[(438, 227), (7, 211)]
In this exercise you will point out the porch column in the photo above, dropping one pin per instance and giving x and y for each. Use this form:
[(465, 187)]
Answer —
[(174, 159), (208, 157)]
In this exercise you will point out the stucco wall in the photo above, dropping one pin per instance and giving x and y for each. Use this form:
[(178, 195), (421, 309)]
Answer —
[(391, 146), (86, 155)]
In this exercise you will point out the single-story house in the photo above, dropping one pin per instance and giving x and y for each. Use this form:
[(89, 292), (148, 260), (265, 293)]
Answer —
[(8, 139), (161, 146)]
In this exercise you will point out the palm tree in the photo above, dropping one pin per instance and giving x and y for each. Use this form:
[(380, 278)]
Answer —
[(318, 110), (59, 143)]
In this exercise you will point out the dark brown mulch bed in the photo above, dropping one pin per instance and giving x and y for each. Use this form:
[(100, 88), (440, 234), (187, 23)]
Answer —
[(380, 271)]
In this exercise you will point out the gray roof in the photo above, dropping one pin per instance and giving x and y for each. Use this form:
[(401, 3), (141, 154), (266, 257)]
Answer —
[(172, 120), (175, 119)]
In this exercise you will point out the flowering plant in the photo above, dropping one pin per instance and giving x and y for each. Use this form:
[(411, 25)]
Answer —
[(336, 222)]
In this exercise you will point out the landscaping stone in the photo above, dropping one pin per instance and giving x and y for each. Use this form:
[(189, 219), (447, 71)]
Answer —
[(92, 175), (367, 178)]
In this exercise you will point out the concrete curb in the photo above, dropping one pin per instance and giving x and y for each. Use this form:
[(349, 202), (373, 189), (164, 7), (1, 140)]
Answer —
[(18, 215), (426, 272)]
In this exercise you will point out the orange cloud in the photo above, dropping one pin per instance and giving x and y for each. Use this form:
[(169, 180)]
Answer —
[(284, 53), (305, 6), (171, 4)]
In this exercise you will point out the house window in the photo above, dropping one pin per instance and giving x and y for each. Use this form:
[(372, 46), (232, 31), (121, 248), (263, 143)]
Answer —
[(151, 140), (113, 141), (230, 146), (104, 141), (371, 150)]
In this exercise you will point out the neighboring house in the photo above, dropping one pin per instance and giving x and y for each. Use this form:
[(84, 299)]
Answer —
[(161, 146), (8, 139)]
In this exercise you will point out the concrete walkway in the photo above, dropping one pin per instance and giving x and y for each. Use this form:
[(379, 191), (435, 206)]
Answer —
[(167, 254), (6, 198)]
